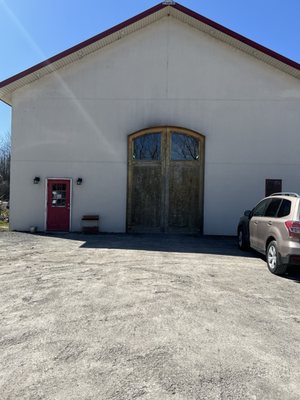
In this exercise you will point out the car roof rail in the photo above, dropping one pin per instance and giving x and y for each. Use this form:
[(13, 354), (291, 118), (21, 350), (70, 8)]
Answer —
[(291, 194)]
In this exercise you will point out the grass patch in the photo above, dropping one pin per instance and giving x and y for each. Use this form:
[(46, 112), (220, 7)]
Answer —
[(4, 218), (4, 226)]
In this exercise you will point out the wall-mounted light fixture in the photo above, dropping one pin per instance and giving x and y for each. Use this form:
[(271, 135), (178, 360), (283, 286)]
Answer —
[(36, 180), (79, 181)]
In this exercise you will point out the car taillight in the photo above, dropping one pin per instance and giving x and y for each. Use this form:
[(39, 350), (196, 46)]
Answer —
[(293, 228)]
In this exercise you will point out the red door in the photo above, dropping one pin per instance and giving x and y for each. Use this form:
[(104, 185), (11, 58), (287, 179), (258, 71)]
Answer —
[(58, 205)]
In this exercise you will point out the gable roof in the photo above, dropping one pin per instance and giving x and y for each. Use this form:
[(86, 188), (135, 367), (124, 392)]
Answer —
[(8, 86)]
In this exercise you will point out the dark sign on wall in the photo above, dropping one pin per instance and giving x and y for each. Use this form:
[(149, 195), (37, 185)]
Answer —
[(273, 186)]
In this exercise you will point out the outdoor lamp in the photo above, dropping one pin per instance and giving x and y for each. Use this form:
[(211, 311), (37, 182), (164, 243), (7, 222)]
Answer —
[(36, 180), (79, 181)]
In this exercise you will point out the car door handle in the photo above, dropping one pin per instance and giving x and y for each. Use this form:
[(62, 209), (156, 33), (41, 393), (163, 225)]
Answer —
[(270, 223)]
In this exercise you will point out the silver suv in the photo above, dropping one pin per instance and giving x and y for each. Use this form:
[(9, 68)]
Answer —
[(273, 228)]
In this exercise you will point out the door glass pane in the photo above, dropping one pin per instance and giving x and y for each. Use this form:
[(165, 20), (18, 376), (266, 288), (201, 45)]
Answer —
[(184, 147), (147, 147), (58, 196)]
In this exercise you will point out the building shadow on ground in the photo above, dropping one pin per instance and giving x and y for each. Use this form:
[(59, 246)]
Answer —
[(171, 243)]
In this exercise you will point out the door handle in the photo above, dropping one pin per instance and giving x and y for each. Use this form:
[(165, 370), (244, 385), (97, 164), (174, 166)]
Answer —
[(270, 223)]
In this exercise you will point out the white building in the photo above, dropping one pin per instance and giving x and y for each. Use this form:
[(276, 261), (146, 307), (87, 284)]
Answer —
[(169, 121)]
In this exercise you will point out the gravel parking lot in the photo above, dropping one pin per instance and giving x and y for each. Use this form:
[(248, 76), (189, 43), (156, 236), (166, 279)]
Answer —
[(144, 317)]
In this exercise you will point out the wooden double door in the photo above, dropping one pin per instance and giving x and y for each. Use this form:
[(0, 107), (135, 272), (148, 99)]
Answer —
[(165, 181)]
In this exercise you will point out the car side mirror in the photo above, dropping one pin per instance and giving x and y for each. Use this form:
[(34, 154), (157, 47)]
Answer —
[(247, 213)]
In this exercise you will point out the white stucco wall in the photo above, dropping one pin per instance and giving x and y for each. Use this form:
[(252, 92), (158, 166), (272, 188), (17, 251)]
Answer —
[(75, 123)]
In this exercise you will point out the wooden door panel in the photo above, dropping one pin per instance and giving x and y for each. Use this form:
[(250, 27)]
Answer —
[(146, 198), (165, 180), (184, 197)]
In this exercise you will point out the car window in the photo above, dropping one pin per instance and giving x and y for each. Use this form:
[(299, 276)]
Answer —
[(284, 209), (272, 208), (259, 210)]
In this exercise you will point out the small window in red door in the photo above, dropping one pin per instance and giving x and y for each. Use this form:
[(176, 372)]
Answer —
[(59, 195)]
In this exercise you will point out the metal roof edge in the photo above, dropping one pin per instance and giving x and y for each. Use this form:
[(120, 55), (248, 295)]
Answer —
[(237, 36), (8, 85), (82, 45)]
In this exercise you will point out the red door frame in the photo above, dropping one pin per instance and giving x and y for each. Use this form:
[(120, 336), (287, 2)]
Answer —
[(70, 202)]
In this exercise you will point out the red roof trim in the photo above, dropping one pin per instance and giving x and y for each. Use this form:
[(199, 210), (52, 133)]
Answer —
[(139, 17), (237, 36), (81, 45)]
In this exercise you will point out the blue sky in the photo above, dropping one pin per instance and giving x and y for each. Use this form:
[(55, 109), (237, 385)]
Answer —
[(33, 30)]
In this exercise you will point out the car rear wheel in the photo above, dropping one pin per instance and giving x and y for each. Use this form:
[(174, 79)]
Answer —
[(242, 242), (273, 259)]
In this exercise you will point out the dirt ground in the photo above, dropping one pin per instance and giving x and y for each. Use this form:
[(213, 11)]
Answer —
[(144, 317)]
